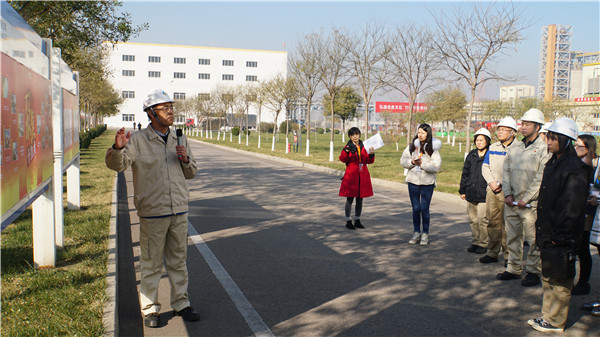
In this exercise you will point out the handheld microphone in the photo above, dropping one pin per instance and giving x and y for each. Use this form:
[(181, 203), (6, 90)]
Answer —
[(179, 135)]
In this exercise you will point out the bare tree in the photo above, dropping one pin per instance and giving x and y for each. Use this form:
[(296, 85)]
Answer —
[(303, 66), (411, 54), (260, 99), (291, 94), (246, 95), (470, 43), (366, 51), (332, 69), (275, 100)]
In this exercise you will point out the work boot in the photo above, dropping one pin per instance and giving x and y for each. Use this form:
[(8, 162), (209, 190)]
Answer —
[(488, 259), (188, 314), (530, 280), (357, 224), (152, 320), (507, 276)]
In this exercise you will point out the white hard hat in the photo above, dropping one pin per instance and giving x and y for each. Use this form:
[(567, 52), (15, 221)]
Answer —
[(533, 115), (565, 126), (508, 122), (545, 127), (483, 131), (156, 97)]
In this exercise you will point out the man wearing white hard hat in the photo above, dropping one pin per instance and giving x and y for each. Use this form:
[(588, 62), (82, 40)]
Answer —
[(560, 223), (492, 170), (544, 131), (521, 179), (160, 163), (472, 189)]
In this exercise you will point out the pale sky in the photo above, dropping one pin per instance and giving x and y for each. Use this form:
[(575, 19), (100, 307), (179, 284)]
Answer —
[(271, 25)]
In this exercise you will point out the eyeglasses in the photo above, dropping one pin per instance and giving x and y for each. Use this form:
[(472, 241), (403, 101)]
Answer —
[(167, 108), (577, 146)]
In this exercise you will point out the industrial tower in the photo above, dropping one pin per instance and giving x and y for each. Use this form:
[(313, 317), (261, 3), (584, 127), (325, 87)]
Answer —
[(555, 62)]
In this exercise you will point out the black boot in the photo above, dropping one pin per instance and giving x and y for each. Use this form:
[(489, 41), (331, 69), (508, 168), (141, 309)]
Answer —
[(357, 224), (349, 225)]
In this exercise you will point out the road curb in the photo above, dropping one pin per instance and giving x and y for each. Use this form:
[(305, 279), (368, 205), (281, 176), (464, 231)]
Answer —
[(110, 317), (402, 187)]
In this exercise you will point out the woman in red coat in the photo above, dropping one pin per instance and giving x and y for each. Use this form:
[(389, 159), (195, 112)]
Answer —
[(356, 182)]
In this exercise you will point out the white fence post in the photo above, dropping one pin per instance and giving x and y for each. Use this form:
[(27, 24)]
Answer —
[(44, 245)]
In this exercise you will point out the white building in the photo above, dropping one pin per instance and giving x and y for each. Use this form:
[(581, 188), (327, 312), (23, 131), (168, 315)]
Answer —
[(184, 72), (513, 93)]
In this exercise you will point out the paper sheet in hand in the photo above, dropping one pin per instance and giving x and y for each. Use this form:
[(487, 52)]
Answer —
[(374, 142)]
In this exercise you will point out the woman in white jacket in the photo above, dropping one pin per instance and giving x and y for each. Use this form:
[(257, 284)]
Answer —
[(422, 159)]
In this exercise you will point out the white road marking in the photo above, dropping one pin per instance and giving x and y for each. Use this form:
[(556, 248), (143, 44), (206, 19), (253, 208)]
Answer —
[(254, 321)]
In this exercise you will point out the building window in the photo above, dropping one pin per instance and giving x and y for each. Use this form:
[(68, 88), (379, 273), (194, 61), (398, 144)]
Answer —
[(178, 75), (202, 76), (130, 58), (128, 94), (204, 97), (251, 78), (128, 72), (154, 74), (154, 59), (227, 77), (179, 95), (204, 62), (228, 63), (128, 117), (251, 64), (179, 60)]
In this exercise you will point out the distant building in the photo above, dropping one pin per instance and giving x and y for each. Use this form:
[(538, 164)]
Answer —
[(184, 72), (513, 93), (564, 73)]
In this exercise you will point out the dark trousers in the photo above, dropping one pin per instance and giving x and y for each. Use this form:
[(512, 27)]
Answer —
[(420, 198)]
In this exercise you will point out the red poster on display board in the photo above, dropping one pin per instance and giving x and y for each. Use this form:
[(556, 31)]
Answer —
[(27, 153), (70, 126)]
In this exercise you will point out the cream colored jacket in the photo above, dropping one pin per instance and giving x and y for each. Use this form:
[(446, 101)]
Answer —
[(523, 170), (159, 185), (424, 175), (493, 163)]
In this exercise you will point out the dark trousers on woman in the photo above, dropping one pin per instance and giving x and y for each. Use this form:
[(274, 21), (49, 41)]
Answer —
[(357, 208), (420, 198)]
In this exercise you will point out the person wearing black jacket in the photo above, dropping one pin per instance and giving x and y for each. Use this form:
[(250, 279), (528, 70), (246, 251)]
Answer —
[(559, 225), (473, 190)]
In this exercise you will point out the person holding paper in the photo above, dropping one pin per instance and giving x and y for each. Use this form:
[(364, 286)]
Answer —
[(521, 178), (422, 159), (356, 182)]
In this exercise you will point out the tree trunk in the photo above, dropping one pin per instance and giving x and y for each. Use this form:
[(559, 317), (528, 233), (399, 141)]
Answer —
[(468, 127), (366, 100), (308, 127), (332, 125)]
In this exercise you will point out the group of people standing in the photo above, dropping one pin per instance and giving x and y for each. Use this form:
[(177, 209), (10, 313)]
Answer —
[(422, 160), (532, 192)]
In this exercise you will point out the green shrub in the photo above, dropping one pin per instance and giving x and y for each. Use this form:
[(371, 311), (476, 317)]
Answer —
[(320, 130), (235, 131), (337, 132), (266, 127)]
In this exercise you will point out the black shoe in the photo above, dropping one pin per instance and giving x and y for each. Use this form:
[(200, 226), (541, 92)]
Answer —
[(357, 224), (488, 259), (505, 264), (349, 225), (472, 248), (151, 320), (507, 276), (581, 289), (480, 250), (530, 280), (590, 306), (188, 314)]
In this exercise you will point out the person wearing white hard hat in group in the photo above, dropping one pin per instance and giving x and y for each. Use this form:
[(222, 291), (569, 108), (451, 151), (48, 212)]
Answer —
[(473, 190), (559, 226), (492, 170), (160, 163), (544, 131), (521, 179)]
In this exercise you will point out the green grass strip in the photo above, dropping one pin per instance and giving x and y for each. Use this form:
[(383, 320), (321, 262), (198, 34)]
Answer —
[(67, 299)]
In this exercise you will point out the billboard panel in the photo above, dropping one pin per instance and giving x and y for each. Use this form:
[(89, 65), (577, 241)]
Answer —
[(27, 153), (398, 107), (70, 126)]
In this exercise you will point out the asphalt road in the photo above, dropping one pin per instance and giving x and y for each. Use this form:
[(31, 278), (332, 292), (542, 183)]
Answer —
[(269, 255)]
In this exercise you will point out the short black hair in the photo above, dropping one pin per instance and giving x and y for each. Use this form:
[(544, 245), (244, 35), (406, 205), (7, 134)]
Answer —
[(353, 131)]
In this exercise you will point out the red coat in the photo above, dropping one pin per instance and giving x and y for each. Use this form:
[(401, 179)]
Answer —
[(356, 181)]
